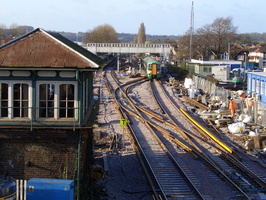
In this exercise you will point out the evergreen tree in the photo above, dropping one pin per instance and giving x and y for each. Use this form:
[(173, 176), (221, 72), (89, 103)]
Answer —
[(141, 34)]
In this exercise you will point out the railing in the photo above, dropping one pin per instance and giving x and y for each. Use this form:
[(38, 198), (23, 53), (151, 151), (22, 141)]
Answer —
[(21, 192), (32, 118), (128, 45)]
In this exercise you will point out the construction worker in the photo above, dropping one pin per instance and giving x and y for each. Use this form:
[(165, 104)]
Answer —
[(103, 74), (250, 106), (232, 106)]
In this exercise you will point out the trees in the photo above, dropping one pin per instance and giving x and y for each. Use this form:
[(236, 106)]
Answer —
[(212, 38), (102, 34), (14, 30), (223, 33), (2, 30), (141, 34)]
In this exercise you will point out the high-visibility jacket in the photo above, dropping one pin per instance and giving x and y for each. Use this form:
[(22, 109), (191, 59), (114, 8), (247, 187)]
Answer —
[(250, 102), (232, 105)]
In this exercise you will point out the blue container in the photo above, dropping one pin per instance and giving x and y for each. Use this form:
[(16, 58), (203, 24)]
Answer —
[(50, 189)]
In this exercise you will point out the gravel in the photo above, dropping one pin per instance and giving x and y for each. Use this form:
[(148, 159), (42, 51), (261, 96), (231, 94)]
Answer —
[(121, 174)]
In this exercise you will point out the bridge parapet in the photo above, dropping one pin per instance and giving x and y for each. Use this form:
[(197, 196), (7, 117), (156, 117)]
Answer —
[(128, 48)]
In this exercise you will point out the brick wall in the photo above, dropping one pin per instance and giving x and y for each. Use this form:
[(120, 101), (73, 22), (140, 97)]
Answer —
[(44, 153)]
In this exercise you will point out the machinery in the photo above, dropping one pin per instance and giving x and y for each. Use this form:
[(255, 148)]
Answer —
[(153, 68), (7, 188)]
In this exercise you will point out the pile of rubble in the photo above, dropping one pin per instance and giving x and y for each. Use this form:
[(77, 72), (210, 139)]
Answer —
[(216, 110)]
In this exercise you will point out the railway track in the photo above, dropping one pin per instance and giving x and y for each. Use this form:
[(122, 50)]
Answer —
[(169, 178), (245, 180)]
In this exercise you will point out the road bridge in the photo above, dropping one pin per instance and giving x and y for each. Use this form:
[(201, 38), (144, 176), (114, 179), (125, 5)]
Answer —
[(124, 48)]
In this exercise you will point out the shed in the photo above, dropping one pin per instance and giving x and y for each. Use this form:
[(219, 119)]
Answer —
[(256, 85), (205, 68)]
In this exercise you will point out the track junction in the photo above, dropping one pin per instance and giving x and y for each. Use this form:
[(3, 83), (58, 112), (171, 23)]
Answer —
[(176, 149)]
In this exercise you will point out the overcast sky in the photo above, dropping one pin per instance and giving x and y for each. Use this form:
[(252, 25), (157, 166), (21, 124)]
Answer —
[(160, 17)]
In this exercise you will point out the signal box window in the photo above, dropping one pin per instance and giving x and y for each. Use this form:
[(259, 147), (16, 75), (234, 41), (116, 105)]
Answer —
[(66, 101), (46, 100), (4, 100), (21, 100)]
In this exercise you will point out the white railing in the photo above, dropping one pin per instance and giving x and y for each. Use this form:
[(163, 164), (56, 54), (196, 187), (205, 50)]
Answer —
[(128, 48), (127, 45), (21, 193)]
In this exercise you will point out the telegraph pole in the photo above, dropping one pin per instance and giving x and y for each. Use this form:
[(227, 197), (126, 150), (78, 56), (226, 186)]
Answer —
[(191, 30)]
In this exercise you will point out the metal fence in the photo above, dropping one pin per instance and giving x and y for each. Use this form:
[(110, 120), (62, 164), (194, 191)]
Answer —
[(219, 94)]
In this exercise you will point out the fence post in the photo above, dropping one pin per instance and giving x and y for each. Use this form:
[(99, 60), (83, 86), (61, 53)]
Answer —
[(17, 189)]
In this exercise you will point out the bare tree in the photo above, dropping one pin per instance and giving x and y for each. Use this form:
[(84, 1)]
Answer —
[(184, 45), (102, 34), (211, 39), (2, 30), (223, 33), (13, 30), (141, 34), (203, 42)]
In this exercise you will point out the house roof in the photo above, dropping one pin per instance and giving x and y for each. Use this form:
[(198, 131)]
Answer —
[(263, 48), (40, 48), (5, 40)]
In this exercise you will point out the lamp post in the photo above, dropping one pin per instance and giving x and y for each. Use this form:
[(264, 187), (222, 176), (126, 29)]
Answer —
[(139, 62), (118, 62)]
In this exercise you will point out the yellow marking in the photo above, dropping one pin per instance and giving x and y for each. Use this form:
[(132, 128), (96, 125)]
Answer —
[(208, 133)]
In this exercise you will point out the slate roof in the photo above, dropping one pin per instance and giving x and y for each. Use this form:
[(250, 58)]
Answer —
[(40, 48)]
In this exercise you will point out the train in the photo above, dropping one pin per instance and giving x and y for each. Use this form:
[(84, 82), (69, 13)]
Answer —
[(7, 188), (152, 67)]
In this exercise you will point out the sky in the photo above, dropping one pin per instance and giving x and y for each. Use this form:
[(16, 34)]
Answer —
[(160, 17)]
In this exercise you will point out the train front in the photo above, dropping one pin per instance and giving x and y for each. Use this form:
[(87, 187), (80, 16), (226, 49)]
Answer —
[(154, 70)]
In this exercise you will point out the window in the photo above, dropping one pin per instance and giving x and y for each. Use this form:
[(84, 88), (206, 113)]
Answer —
[(253, 85), (257, 86), (15, 99), (53, 100), (4, 100), (21, 100), (265, 87), (240, 57), (56, 100), (66, 101), (46, 100), (262, 88), (207, 69)]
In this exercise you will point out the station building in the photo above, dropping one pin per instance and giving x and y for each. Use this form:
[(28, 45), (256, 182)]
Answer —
[(46, 107)]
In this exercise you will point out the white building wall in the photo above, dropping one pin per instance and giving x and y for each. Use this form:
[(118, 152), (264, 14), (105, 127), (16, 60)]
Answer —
[(221, 72)]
